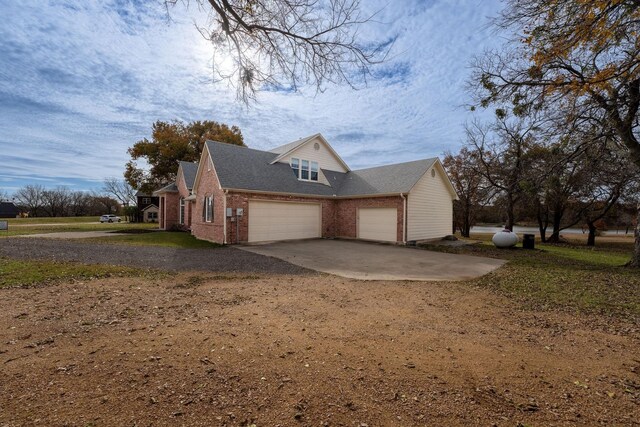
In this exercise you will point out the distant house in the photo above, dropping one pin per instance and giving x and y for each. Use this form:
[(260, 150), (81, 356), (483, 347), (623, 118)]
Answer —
[(146, 204), (150, 213), (9, 210), (305, 190)]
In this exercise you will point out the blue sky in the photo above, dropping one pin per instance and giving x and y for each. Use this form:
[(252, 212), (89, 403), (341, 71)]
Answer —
[(80, 82)]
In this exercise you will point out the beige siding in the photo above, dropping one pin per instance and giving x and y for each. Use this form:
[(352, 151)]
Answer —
[(324, 157), (378, 224), (430, 207), (283, 221)]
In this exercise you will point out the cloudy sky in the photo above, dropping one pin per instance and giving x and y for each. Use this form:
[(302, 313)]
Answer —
[(80, 82)]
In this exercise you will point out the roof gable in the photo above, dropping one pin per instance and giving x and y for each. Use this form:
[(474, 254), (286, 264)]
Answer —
[(287, 150), (188, 171), (390, 179)]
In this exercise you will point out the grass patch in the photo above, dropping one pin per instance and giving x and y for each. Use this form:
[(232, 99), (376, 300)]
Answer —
[(171, 239), (25, 273), (52, 220), (64, 227), (567, 276)]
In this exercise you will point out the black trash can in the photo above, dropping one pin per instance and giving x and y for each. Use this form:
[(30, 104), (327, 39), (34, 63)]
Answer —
[(529, 241)]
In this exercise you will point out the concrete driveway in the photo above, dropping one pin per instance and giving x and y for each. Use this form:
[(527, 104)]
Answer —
[(370, 261)]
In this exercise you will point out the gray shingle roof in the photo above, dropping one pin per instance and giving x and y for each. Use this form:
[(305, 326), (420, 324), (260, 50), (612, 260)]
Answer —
[(189, 170), (389, 179), (244, 168), (171, 188)]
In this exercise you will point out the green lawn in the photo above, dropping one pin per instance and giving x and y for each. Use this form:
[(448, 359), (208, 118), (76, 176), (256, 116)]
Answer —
[(573, 277), (172, 239), (23, 273), (71, 226), (52, 220)]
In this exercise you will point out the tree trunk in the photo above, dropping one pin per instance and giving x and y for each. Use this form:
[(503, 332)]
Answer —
[(510, 215), (543, 232), (591, 240), (542, 224), (635, 260), (557, 219)]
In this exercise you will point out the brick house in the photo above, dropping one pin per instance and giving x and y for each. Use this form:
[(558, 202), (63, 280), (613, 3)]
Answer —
[(305, 190), (176, 200)]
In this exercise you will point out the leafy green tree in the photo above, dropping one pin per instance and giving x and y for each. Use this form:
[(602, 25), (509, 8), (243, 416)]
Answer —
[(169, 144)]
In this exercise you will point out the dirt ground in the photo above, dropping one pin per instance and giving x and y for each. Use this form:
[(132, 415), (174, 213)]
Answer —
[(199, 350)]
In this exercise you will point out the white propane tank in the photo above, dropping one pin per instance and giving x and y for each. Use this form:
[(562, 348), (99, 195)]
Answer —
[(505, 239)]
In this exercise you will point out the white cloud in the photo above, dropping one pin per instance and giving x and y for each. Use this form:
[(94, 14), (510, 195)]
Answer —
[(79, 84)]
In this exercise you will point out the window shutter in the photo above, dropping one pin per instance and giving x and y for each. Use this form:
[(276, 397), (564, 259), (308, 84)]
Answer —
[(204, 209)]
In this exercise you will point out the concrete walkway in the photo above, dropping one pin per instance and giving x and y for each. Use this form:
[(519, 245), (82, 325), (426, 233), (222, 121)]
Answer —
[(370, 261)]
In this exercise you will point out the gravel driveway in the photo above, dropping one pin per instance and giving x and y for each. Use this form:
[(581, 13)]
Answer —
[(224, 259)]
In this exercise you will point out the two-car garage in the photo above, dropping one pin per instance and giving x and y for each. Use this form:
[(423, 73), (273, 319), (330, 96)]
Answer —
[(275, 220)]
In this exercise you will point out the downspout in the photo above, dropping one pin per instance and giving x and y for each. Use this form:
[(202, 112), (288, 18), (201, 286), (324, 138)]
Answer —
[(404, 219), (224, 216)]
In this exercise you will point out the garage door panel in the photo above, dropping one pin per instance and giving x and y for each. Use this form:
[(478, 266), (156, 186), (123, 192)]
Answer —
[(378, 224), (283, 221)]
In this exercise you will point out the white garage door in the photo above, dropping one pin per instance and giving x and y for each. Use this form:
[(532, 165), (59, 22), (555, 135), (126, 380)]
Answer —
[(378, 224), (283, 221)]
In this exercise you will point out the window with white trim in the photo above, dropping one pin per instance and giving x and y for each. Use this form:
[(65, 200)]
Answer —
[(305, 170), (208, 215), (181, 210)]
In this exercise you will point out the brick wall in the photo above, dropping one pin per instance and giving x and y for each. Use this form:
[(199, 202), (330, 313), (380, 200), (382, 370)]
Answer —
[(208, 185), (241, 200), (184, 193), (170, 212), (347, 213), (339, 216)]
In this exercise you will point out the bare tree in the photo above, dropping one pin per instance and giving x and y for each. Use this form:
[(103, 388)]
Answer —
[(502, 153), (4, 195), (104, 203), (120, 190), (79, 204), (284, 43), (30, 197), (470, 186), (56, 201)]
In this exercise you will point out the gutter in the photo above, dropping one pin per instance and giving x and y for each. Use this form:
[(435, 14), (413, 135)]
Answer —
[(404, 219), (314, 196)]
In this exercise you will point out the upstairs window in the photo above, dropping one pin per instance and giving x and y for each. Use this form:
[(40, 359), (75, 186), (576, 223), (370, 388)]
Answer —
[(305, 170)]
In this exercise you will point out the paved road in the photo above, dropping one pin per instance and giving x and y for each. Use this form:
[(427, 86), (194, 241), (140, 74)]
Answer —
[(223, 259)]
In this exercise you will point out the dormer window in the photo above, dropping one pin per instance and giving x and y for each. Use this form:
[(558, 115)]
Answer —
[(295, 165), (305, 170)]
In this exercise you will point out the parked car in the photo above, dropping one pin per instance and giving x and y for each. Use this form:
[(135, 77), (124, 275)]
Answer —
[(110, 218)]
